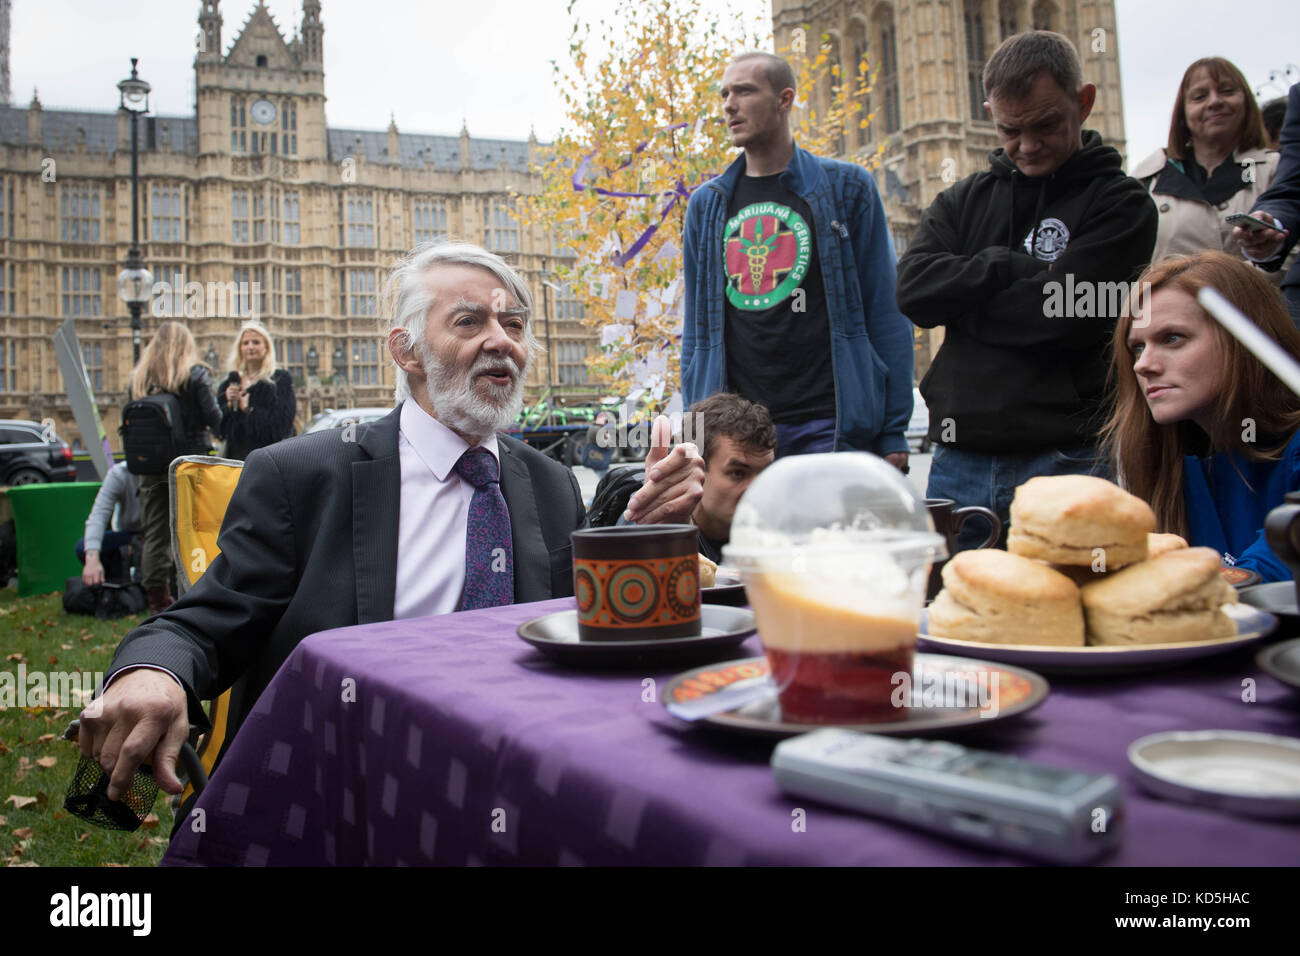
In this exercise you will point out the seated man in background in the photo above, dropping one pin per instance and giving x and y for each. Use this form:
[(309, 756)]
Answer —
[(103, 551), (426, 511), (739, 441)]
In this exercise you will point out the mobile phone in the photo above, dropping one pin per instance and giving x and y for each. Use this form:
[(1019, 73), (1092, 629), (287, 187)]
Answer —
[(1246, 222), (1063, 815)]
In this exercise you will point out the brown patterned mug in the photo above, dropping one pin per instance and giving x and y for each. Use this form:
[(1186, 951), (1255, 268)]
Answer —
[(635, 583)]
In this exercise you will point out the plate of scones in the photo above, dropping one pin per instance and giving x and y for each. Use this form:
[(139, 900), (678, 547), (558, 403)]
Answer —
[(1085, 586)]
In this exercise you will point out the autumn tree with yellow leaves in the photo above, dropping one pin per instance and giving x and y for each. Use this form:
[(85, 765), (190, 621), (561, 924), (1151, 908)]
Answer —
[(643, 130)]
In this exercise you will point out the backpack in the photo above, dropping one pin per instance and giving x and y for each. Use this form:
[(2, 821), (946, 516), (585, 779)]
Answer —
[(105, 601), (612, 494), (153, 433)]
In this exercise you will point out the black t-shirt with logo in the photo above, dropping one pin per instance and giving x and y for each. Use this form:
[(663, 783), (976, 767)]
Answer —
[(777, 333)]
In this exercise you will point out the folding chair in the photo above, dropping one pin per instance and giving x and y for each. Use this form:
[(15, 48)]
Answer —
[(199, 489)]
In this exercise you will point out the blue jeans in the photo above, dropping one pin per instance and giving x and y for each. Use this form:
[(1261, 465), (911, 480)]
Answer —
[(971, 478), (805, 438)]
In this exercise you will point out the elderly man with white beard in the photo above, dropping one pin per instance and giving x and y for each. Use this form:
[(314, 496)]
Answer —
[(426, 511)]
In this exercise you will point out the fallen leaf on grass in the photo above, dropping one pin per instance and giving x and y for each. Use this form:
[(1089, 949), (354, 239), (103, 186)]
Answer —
[(3, 820), (83, 838), (114, 864), (59, 815), (24, 833), (46, 762), (45, 738), (3, 748), (19, 802), (16, 656), (150, 822), (65, 647), (25, 863), (52, 660)]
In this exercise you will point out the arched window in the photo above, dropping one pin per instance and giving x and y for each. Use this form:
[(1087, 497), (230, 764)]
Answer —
[(1007, 18), (888, 78), (1044, 15), (858, 41), (974, 20)]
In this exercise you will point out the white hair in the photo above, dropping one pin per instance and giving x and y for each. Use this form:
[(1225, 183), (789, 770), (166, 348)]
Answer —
[(407, 299)]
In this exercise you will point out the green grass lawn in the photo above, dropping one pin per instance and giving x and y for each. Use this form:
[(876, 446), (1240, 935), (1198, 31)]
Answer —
[(36, 765)]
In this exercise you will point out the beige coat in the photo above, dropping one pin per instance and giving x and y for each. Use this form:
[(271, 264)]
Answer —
[(1187, 225)]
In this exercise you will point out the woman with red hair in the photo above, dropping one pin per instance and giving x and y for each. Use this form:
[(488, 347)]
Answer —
[(1200, 428)]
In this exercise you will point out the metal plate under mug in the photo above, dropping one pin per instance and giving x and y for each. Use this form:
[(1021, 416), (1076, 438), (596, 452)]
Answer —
[(1235, 771)]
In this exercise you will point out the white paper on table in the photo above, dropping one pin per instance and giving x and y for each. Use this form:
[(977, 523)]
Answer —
[(625, 304)]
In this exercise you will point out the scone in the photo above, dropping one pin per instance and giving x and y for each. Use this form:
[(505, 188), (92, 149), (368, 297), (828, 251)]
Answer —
[(1175, 597), (1000, 598), (1065, 518), (1157, 544), (708, 572)]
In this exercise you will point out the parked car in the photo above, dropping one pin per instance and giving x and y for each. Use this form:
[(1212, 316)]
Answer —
[(29, 456), (337, 418), (919, 427)]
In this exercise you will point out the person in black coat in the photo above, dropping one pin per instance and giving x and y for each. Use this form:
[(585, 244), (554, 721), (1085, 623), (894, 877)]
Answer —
[(1280, 206), (170, 363), (256, 399)]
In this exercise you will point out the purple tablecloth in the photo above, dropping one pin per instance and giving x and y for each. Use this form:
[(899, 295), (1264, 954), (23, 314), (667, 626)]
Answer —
[(461, 744)]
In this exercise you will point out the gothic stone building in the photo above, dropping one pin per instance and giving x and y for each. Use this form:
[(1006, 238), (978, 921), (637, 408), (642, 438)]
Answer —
[(928, 57), (252, 188)]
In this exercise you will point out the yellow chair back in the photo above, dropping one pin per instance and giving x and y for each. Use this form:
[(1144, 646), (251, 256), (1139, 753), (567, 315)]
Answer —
[(199, 489)]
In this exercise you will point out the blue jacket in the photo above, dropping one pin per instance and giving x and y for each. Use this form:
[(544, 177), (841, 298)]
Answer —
[(871, 346), (1231, 518)]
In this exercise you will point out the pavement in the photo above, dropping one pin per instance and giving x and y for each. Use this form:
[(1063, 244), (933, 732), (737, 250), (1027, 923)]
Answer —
[(918, 475)]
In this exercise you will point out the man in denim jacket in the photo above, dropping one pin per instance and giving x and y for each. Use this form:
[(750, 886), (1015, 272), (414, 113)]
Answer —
[(790, 283)]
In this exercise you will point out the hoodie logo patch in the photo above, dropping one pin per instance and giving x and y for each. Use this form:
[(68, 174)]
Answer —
[(1049, 240)]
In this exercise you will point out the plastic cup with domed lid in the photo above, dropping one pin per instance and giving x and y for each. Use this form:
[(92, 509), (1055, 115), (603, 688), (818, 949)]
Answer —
[(835, 551)]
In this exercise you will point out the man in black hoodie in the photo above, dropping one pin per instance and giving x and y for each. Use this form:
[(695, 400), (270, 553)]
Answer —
[(1022, 264)]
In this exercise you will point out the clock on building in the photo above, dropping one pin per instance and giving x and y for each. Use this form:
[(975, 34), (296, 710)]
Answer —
[(263, 112)]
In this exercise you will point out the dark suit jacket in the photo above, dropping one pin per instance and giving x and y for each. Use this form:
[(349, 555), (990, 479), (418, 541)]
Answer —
[(1282, 199), (309, 542)]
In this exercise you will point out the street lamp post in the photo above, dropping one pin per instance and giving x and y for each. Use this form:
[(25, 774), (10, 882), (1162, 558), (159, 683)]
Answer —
[(135, 282)]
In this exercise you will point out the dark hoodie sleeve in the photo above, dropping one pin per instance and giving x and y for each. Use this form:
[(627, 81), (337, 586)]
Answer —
[(1002, 295), (1111, 244), (271, 423), (228, 414), (937, 283)]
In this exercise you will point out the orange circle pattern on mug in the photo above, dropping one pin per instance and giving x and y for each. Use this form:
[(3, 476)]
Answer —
[(635, 594)]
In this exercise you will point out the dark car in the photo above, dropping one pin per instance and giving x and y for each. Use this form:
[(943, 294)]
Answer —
[(30, 455)]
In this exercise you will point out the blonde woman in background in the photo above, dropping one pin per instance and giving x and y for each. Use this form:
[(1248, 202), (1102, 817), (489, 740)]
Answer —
[(256, 399), (170, 363)]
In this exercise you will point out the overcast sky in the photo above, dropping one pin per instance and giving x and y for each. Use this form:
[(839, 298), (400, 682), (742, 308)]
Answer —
[(488, 61)]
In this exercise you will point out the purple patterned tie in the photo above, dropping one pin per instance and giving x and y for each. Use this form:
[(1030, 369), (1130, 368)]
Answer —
[(489, 553)]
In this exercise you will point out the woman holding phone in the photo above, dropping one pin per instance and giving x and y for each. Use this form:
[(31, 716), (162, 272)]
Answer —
[(256, 399), (1200, 429), (1214, 165)]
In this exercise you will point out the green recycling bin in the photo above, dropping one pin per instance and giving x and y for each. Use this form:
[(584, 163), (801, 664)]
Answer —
[(48, 521)]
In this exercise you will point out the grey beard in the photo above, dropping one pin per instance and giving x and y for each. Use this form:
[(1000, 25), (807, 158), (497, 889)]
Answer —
[(455, 404)]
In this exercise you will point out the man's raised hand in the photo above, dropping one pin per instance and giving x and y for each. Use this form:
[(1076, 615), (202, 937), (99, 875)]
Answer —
[(674, 480)]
